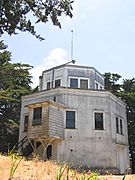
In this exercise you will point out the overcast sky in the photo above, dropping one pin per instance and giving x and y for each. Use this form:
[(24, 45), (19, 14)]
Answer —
[(104, 37)]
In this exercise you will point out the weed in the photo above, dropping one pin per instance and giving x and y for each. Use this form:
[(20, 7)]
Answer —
[(65, 173), (15, 161)]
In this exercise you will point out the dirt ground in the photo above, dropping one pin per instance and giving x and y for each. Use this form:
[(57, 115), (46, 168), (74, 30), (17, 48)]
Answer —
[(38, 170)]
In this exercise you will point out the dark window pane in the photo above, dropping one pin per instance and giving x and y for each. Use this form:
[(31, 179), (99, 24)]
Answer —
[(84, 84), (96, 85), (48, 85), (37, 114), (26, 123), (117, 125), (49, 152), (57, 83), (70, 119), (73, 83), (121, 126), (99, 121), (101, 87)]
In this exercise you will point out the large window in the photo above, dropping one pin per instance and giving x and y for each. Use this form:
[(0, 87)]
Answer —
[(83, 83), (99, 121), (70, 119), (26, 123), (57, 83), (73, 83), (37, 115)]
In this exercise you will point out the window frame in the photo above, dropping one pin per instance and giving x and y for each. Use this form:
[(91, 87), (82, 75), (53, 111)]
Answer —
[(57, 80), (117, 125), (79, 80), (83, 80), (75, 122), (48, 87), (121, 126), (37, 120), (94, 125), (98, 86), (25, 124)]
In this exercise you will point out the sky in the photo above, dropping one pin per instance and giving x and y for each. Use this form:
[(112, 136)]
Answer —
[(103, 37)]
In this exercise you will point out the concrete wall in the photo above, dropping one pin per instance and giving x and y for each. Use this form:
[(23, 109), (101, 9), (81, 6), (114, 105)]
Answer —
[(97, 148)]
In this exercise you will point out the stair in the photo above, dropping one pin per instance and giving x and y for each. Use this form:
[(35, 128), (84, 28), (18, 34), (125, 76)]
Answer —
[(24, 147)]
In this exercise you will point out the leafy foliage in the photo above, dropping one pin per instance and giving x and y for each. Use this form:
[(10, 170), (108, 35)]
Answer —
[(111, 82), (14, 82), (18, 14)]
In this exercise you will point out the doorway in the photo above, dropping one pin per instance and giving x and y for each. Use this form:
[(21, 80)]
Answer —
[(49, 152)]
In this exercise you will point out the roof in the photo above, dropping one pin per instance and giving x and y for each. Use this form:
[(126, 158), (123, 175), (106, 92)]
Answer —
[(72, 66), (45, 103)]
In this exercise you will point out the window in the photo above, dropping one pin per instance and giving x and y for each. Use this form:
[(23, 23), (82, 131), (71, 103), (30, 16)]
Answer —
[(48, 85), (57, 83), (117, 125), (49, 152), (83, 83), (98, 121), (37, 114), (70, 119), (96, 85), (101, 87), (73, 83), (121, 127), (26, 123)]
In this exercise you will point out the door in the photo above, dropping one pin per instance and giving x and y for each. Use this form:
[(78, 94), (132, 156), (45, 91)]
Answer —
[(121, 159), (49, 152)]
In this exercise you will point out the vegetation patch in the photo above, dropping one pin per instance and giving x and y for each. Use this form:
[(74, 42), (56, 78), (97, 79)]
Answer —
[(16, 168)]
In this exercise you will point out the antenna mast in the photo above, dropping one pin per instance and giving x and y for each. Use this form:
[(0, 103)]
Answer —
[(72, 45)]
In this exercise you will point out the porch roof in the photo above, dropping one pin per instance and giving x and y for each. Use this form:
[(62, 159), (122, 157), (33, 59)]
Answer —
[(46, 103)]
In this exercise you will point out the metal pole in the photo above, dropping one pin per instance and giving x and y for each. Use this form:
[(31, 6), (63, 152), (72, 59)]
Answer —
[(72, 45)]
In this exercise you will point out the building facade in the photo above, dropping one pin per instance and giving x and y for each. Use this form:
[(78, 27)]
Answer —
[(73, 119)]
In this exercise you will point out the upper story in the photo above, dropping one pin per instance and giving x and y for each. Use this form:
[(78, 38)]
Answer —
[(71, 76)]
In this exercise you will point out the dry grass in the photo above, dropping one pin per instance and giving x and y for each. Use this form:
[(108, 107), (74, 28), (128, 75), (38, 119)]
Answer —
[(38, 170)]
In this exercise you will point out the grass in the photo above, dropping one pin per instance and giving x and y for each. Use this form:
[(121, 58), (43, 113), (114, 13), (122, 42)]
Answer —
[(34, 169), (15, 161)]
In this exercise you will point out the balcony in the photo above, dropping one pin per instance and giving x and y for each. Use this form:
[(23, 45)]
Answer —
[(46, 120)]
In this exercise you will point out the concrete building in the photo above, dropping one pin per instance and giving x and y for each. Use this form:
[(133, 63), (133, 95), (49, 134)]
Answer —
[(73, 119)]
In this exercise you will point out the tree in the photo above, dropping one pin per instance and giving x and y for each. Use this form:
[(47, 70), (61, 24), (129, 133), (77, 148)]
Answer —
[(18, 14), (111, 82), (14, 82), (125, 91)]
